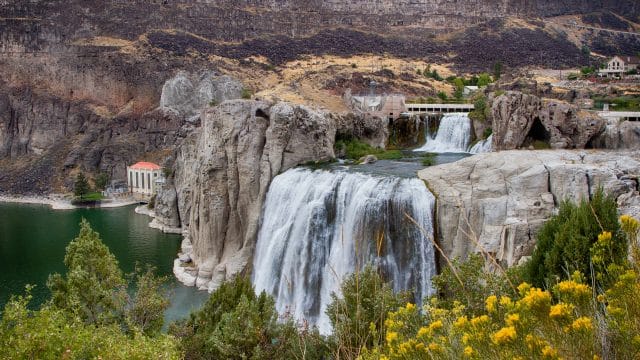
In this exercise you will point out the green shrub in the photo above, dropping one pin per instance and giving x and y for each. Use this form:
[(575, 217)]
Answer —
[(540, 145), (358, 315), (355, 149), (429, 159), (565, 241), (50, 333), (246, 93), (235, 323)]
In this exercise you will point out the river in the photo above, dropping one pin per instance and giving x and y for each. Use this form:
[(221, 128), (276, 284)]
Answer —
[(33, 239)]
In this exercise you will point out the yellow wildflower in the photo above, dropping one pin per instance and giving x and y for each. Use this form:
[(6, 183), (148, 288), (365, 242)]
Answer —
[(391, 336), (536, 298), (436, 325), (504, 335), (480, 320), (629, 225), (423, 331), (468, 351), (490, 303), (505, 301), (512, 319), (549, 352), (410, 306), (404, 348), (596, 357), (560, 311), (434, 347), (460, 322), (604, 237), (465, 338), (523, 288), (572, 288), (582, 323)]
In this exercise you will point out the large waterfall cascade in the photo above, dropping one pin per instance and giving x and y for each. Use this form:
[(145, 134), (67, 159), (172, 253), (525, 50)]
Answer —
[(319, 226)]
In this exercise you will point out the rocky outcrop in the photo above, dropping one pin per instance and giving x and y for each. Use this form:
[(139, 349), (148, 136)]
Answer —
[(186, 94), (364, 126), (498, 201), (619, 135), (223, 173), (520, 120)]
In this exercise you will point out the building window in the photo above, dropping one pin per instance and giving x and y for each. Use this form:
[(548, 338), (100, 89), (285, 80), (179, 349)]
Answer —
[(149, 181), (142, 180), (137, 183), (130, 178)]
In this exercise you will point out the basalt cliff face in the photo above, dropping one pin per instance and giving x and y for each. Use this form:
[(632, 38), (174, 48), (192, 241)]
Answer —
[(497, 202), (224, 169)]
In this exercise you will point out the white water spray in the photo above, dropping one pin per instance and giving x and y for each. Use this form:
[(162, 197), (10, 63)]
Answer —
[(320, 226)]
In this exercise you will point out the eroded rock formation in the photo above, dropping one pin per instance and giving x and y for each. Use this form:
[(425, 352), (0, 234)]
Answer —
[(500, 200), (224, 169), (519, 120)]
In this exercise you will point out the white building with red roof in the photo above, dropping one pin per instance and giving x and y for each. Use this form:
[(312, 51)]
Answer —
[(142, 177)]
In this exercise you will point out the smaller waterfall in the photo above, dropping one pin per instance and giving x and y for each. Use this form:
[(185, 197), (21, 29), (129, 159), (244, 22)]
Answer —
[(454, 135), (319, 226), (482, 146)]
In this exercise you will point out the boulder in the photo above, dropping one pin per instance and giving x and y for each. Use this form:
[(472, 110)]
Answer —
[(497, 202)]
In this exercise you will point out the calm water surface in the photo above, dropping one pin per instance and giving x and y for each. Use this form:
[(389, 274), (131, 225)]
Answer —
[(33, 240)]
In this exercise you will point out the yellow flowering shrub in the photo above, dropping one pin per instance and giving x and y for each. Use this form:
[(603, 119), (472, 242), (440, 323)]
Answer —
[(569, 321)]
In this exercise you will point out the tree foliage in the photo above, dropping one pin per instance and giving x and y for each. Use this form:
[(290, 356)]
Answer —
[(565, 241), (90, 314), (358, 315), (93, 288), (101, 181), (81, 185), (52, 333), (235, 323)]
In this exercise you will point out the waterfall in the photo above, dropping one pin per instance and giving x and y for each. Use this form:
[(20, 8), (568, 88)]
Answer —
[(482, 146), (319, 226), (454, 135)]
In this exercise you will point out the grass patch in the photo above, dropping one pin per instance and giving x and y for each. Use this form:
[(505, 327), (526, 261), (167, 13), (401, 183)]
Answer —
[(355, 149), (541, 145), (94, 196), (429, 159)]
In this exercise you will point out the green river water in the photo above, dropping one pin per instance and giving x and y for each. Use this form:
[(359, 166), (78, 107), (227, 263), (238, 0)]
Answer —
[(33, 240)]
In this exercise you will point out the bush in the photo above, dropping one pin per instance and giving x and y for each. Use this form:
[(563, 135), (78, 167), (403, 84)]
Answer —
[(235, 323), (50, 333), (565, 241), (355, 149), (246, 93), (358, 315)]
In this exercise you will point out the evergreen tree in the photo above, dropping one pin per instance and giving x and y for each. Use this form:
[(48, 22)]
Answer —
[(93, 288), (81, 185)]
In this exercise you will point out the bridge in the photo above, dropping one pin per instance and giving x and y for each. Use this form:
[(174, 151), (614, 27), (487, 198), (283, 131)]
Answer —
[(620, 115), (418, 109)]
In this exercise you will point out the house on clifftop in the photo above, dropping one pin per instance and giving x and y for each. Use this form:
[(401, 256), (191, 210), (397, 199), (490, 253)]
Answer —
[(143, 178), (619, 66)]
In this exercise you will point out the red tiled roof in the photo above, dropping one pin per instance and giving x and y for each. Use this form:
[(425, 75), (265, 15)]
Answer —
[(143, 165)]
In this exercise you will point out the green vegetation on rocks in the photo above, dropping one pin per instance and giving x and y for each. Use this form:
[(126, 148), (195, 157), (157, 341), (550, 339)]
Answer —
[(355, 149)]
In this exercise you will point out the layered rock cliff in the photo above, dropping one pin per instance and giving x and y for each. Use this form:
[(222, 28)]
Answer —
[(499, 201), (223, 172)]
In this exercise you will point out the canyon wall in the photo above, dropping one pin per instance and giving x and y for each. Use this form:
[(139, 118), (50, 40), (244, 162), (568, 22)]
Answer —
[(241, 20)]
